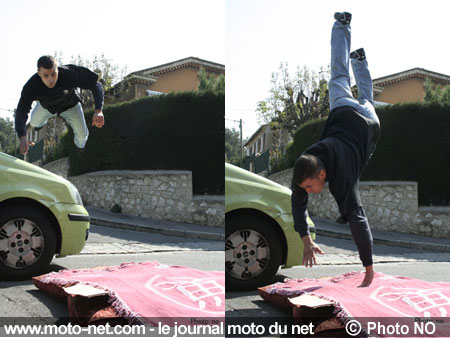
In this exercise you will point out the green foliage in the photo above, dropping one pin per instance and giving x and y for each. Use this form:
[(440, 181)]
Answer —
[(278, 162), (436, 93), (210, 82), (233, 146), (303, 137), (7, 136), (56, 149), (294, 100), (116, 208), (109, 73), (414, 146), (183, 131)]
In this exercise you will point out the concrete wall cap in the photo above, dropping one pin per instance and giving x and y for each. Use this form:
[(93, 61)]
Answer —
[(136, 173)]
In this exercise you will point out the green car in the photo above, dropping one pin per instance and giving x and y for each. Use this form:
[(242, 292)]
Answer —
[(41, 214), (260, 235)]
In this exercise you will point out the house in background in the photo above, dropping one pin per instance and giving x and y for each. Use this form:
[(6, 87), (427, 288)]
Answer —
[(403, 87), (259, 147), (176, 76), (407, 86), (257, 151)]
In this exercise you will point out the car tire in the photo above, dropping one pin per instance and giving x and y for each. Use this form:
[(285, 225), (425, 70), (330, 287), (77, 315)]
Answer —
[(27, 242), (249, 265)]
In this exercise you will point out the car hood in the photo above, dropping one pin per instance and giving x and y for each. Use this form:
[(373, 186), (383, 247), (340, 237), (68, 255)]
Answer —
[(8, 163), (246, 176)]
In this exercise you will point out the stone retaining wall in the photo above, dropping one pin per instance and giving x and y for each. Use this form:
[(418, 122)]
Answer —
[(389, 205), (59, 167), (158, 194), (434, 221)]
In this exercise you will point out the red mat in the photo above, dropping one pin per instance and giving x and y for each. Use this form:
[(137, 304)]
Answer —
[(388, 296), (146, 292)]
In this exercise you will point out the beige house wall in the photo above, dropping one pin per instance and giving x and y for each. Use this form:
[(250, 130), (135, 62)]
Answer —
[(184, 79), (140, 90), (410, 90)]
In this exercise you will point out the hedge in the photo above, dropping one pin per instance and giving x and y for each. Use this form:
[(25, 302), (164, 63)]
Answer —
[(414, 145), (182, 131)]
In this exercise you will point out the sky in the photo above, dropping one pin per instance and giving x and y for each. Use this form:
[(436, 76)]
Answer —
[(135, 34), (251, 37), (397, 35)]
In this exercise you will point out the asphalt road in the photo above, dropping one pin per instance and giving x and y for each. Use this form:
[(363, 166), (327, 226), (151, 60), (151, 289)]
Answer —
[(105, 247), (340, 257)]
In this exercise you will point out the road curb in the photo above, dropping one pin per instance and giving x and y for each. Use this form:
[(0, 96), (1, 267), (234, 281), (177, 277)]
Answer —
[(385, 241), (163, 231)]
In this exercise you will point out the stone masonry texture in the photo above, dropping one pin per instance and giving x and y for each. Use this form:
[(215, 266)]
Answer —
[(157, 194), (389, 205)]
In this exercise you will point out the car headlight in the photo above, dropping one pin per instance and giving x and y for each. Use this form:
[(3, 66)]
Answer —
[(76, 194)]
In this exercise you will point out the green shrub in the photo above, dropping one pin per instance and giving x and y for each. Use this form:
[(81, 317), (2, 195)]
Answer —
[(182, 131), (414, 146), (116, 208), (55, 150), (305, 136)]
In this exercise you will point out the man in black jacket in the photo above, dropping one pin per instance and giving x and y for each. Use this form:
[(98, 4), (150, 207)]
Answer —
[(55, 91), (346, 144)]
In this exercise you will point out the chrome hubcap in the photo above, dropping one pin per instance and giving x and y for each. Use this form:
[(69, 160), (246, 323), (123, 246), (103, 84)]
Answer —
[(247, 254), (21, 243)]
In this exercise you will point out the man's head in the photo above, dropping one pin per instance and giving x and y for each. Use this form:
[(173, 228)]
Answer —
[(48, 70), (310, 174)]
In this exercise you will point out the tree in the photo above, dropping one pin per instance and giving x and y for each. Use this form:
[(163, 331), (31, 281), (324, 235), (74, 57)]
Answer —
[(233, 146), (295, 100), (109, 73), (210, 82), (7, 136), (435, 93)]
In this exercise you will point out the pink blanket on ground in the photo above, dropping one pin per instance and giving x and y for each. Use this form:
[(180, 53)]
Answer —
[(146, 292), (388, 296)]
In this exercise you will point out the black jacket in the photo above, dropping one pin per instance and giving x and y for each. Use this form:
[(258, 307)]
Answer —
[(59, 98), (346, 144)]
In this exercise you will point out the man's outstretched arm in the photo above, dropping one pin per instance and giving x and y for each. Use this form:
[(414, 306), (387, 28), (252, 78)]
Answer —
[(98, 119), (299, 201), (20, 121), (362, 236)]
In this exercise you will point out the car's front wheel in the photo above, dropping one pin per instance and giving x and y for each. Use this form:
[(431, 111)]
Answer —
[(27, 242), (252, 252)]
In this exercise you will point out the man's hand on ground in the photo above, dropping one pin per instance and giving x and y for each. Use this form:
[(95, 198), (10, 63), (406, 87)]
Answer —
[(368, 277), (309, 251), (98, 119), (24, 145)]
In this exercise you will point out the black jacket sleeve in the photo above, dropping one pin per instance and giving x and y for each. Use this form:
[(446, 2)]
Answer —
[(22, 111), (362, 235), (97, 92), (299, 201), (87, 79)]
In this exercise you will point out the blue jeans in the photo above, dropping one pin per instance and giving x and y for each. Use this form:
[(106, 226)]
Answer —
[(339, 85), (341, 95), (73, 116)]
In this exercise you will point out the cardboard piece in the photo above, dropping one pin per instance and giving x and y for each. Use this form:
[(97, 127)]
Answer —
[(85, 290), (309, 301)]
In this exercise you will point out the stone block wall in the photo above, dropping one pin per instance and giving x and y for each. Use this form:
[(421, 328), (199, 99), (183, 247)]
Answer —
[(59, 167), (158, 194), (389, 205), (434, 221)]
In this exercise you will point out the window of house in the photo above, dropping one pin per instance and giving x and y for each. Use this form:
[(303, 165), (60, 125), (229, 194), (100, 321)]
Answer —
[(153, 92)]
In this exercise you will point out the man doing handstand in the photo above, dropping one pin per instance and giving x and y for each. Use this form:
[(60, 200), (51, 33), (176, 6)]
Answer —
[(346, 144)]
